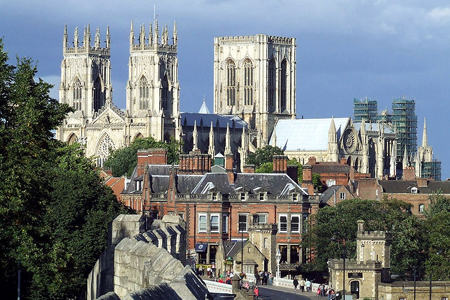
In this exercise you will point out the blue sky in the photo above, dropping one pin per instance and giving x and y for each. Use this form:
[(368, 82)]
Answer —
[(382, 50)]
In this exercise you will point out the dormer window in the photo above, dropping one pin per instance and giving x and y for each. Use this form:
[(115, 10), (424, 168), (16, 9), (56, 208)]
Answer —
[(214, 196), (262, 196), (243, 196), (295, 197), (414, 190)]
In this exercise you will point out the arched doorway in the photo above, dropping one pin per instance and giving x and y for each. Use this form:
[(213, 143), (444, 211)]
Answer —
[(354, 288)]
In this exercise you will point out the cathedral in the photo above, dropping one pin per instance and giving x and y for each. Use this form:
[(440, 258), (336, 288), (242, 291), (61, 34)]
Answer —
[(152, 91), (254, 86)]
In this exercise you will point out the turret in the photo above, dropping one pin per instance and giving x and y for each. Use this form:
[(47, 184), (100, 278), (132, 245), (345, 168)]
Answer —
[(156, 33), (211, 150), (228, 141), (97, 39), (175, 34), (195, 137), (132, 36), (424, 136), (65, 39), (150, 35), (108, 38), (333, 151), (75, 38)]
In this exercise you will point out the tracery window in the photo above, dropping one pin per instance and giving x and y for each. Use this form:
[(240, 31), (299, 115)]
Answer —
[(77, 94), (283, 80), (98, 95), (143, 93), (248, 83), (272, 84), (231, 83), (105, 148)]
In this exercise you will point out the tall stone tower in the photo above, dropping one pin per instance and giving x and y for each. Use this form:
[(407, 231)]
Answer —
[(153, 91), (255, 78), (85, 73)]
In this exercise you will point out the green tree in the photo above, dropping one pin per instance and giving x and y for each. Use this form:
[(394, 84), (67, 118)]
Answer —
[(54, 209), (263, 155), (317, 182), (123, 161), (265, 168)]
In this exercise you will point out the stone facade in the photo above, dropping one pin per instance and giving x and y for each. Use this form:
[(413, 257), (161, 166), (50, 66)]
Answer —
[(255, 78)]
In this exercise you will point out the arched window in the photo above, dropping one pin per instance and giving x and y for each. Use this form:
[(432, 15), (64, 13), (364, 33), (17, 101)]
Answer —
[(248, 83), (72, 139), (143, 93), (272, 85), (165, 96), (231, 83), (105, 148), (77, 94), (99, 99), (283, 80)]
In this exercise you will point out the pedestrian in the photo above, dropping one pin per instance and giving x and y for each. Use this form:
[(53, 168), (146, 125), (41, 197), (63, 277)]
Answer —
[(308, 285), (302, 285), (256, 291), (295, 282)]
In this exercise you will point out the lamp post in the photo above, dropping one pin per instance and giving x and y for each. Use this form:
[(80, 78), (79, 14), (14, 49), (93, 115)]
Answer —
[(278, 258), (344, 250), (241, 225)]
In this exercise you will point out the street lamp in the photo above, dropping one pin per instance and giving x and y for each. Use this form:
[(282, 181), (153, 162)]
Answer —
[(278, 258), (343, 267)]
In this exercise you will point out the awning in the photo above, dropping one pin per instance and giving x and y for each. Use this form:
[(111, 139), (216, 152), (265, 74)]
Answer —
[(201, 247)]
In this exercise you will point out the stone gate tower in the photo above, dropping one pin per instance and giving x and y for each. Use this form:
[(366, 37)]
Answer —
[(255, 78)]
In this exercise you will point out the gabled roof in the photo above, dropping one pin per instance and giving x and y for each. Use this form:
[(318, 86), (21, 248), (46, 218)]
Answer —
[(306, 134), (402, 186)]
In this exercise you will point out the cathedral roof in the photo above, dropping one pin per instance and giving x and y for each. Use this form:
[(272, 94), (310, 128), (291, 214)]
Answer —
[(202, 119), (204, 109), (306, 134)]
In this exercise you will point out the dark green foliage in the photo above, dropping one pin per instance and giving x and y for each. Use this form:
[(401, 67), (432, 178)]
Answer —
[(265, 168), (263, 155), (340, 223), (123, 161), (54, 210), (317, 182)]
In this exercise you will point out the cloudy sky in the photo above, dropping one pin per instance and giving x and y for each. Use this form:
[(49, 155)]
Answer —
[(382, 49)]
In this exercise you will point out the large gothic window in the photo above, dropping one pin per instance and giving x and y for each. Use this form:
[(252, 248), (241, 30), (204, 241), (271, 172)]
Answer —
[(165, 96), (77, 94), (104, 149), (272, 85), (99, 99), (231, 83), (143, 93), (248, 83), (283, 79)]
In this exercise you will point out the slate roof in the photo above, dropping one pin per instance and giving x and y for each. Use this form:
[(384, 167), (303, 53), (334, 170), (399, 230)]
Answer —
[(325, 167), (401, 186), (188, 119), (306, 134), (329, 192), (232, 248)]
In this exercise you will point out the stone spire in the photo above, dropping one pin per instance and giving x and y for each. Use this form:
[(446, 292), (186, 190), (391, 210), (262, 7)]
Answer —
[(228, 141), (392, 162), (87, 37), (405, 162), (132, 37), (175, 34), (97, 39), (108, 38), (75, 38), (195, 137), (211, 149), (156, 33), (150, 35), (365, 148), (424, 136), (333, 151), (274, 139), (142, 36), (65, 38)]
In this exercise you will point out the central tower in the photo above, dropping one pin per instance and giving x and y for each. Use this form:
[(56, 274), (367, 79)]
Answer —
[(153, 90), (255, 78)]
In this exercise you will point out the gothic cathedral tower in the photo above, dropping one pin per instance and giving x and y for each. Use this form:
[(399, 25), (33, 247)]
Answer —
[(255, 78), (153, 90), (85, 74)]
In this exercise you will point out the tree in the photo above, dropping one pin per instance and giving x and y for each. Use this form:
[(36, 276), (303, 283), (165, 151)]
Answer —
[(317, 182), (123, 161), (263, 155), (340, 222), (265, 168), (54, 209)]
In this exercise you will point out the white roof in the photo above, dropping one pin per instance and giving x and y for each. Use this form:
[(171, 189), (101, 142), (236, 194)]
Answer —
[(204, 109), (306, 134)]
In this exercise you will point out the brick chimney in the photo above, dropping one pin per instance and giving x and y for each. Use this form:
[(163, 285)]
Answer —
[(155, 156), (292, 172), (248, 169), (343, 161), (422, 182), (229, 167), (195, 163), (409, 173), (280, 163), (307, 179), (311, 161)]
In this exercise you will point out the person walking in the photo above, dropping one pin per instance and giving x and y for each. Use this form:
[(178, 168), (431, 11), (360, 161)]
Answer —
[(302, 285), (256, 291), (308, 285), (295, 282)]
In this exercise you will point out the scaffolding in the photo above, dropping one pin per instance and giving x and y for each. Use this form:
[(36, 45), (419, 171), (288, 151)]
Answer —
[(365, 109), (404, 119), (431, 169)]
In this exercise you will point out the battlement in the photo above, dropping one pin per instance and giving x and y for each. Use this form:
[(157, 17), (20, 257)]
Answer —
[(257, 38), (374, 235)]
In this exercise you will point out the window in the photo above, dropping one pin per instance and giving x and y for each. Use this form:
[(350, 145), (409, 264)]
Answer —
[(283, 223), (231, 83), (283, 79), (421, 208), (143, 93), (266, 243), (331, 182), (98, 94), (414, 190), (215, 222), (260, 219), (295, 223), (202, 223), (248, 83), (242, 197), (77, 94), (214, 197), (262, 196), (242, 219), (444, 298), (342, 195), (295, 197), (272, 84), (225, 223)]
